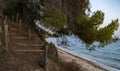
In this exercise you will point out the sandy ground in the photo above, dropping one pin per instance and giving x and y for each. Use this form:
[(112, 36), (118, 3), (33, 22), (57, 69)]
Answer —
[(85, 64)]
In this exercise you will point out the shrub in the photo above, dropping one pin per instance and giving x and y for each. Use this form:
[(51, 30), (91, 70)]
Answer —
[(69, 66), (52, 52), (2, 53), (9, 7), (54, 19), (13, 7)]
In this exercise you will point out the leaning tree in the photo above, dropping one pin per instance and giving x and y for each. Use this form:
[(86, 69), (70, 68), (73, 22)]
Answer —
[(70, 13)]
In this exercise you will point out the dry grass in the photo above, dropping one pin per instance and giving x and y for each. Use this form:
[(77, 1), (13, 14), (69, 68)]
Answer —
[(59, 65), (69, 66)]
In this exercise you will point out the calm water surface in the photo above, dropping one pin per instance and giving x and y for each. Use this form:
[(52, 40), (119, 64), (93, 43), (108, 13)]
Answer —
[(109, 55)]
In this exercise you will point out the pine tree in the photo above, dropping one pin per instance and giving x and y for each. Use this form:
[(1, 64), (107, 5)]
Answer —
[(88, 29)]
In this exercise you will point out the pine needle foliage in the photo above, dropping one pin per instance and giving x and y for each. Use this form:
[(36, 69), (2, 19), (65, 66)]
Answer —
[(88, 29)]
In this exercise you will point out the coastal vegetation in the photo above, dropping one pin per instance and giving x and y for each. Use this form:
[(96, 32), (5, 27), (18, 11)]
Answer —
[(88, 28), (67, 17), (54, 19)]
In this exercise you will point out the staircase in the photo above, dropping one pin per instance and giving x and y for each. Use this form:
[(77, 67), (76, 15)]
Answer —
[(24, 46), (24, 40)]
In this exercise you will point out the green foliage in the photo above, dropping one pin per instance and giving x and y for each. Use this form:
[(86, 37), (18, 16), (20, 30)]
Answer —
[(2, 53), (87, 28), (9, 7), (105, 34), (54, 19), (13, 7), (97, 19)]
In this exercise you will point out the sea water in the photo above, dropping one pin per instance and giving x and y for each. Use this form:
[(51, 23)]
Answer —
[(108, 55)]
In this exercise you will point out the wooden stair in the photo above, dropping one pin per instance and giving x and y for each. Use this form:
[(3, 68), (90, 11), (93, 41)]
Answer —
[(25, 48), (20, 39)]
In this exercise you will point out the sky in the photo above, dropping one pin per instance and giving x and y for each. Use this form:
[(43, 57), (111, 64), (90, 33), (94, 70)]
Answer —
[(111, 8)]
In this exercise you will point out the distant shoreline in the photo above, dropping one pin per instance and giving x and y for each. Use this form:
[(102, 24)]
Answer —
[(86, 64)]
